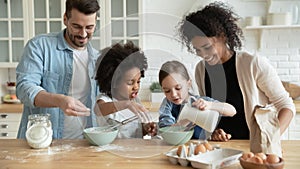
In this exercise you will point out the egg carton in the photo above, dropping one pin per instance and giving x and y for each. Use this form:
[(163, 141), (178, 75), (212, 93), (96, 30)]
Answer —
[(216, 158)]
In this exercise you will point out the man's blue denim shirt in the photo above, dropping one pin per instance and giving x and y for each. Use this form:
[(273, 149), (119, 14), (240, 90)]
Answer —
[(47, 64)]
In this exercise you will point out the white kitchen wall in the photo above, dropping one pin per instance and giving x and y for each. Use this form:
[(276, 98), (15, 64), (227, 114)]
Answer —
[(159, 37), (280, 46), (160, 43)]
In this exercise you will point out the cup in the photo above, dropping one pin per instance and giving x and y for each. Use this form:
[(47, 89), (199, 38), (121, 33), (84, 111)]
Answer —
[(253, 20), (207, 119), (281, 18)]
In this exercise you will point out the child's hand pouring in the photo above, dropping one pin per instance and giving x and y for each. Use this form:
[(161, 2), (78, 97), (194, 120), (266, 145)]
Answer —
[(201, 104)]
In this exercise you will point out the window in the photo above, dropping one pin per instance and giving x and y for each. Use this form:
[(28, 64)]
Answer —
[(12, 34), (20, 20)]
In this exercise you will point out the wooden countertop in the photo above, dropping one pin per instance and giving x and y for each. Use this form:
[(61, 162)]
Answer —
[(122, 153), (11, 108)]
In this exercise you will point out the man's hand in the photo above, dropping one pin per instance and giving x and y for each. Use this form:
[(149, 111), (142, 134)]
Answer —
[(73, 107), (69, 105)]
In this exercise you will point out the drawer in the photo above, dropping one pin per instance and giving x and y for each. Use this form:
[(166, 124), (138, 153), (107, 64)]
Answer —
[(9, 126), (10, 117), (8, 135)]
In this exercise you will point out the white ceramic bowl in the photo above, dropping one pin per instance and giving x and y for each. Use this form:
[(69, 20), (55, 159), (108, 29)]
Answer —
[(175, 135), (99, 136)]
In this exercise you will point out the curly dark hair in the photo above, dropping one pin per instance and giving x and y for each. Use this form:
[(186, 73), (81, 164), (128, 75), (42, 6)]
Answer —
[(214, 20), (115, 61)]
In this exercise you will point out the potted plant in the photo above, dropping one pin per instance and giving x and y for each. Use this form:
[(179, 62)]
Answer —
[(156, 93)]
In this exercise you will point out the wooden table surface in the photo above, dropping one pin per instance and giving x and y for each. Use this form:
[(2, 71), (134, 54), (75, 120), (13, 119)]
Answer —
[(121, 154)]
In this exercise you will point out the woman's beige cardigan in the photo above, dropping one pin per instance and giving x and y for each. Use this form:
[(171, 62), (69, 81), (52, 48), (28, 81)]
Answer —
[(259, 83)]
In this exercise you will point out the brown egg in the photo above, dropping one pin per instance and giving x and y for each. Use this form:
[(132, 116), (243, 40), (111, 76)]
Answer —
[(208, 146), (199, 148), (179, 149), (247, 155), (255, 159), (261, 155), (272, 159)]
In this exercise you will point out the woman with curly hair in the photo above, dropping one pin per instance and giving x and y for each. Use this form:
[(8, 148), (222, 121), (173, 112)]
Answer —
[(120, 69), (229, 75)]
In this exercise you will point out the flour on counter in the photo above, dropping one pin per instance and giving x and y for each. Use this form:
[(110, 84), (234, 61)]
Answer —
[(110, 147), (23, 155)]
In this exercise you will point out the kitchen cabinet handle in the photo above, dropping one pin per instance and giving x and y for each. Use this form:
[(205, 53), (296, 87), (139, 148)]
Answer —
[(4, 134), (4, 126), (4, 116)]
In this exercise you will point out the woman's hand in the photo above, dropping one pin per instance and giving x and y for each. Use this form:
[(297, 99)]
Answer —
[(220, 135)]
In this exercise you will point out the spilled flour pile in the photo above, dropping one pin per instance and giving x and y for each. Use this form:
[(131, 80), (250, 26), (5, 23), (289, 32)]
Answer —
[(21, 156)]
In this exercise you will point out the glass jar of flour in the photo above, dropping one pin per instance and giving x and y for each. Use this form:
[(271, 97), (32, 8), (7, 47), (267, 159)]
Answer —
[(39, 130)]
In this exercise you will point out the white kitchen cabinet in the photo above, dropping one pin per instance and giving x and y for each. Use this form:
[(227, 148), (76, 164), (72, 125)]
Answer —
[(20, 20), (124, 21), (9, 125), (12, 35)]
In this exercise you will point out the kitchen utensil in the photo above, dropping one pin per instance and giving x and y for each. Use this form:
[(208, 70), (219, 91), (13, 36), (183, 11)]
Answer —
[(185, 127), (190, 126), (118, 124)]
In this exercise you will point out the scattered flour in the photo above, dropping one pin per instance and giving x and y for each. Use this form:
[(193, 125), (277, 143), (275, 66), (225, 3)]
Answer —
[(110, 147), (22, 155)]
